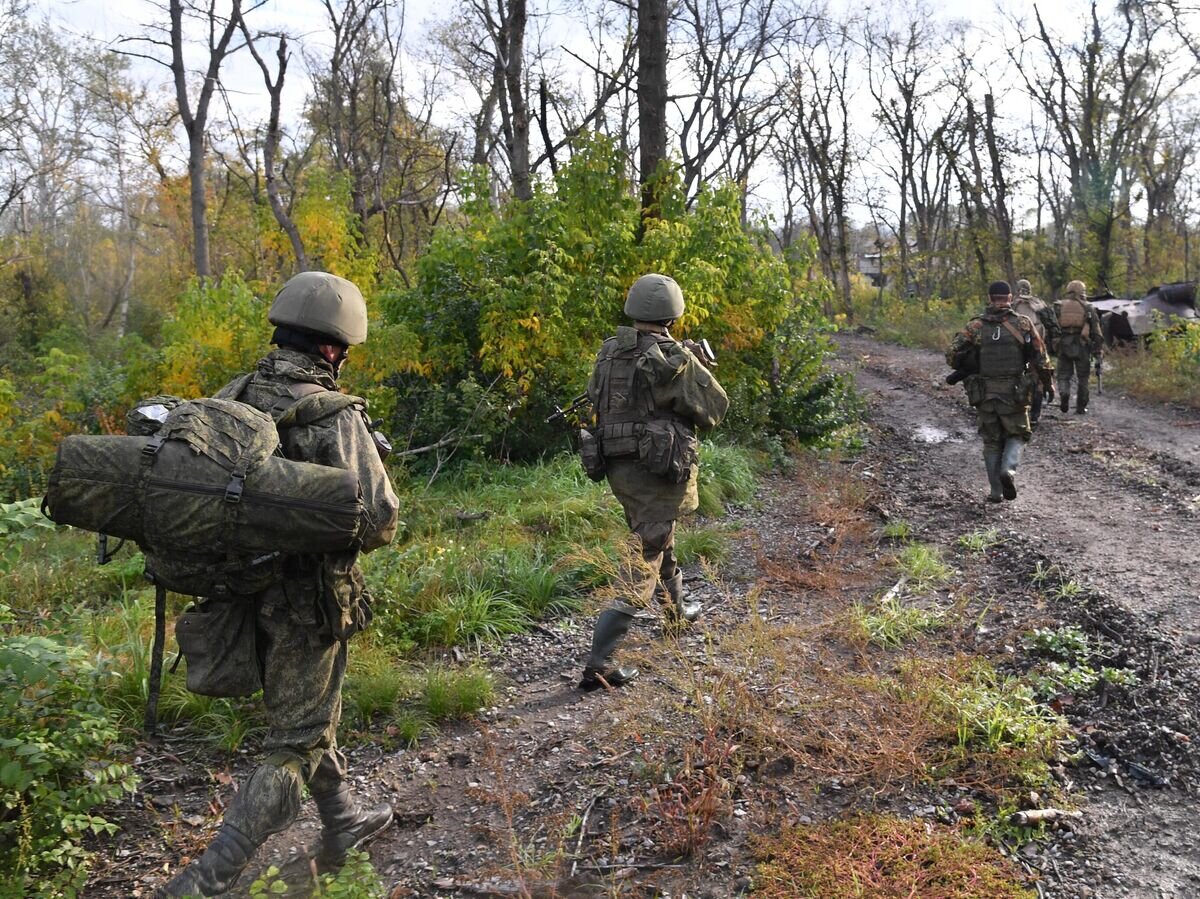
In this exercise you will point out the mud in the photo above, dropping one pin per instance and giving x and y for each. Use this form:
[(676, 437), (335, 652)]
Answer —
[(555, 792), (1111, 500)]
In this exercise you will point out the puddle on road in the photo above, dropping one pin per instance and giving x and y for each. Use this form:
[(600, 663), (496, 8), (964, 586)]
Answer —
[(932, 434)]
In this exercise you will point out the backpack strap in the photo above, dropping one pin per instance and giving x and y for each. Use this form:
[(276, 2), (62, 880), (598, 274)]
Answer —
[(1014, 331)]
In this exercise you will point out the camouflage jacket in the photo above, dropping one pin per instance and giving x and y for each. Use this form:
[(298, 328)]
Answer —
[(679, 384), (341, 439), (966, 343)]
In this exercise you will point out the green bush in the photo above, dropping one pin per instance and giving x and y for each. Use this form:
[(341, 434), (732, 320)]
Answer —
[(511, 305), (56, 766)]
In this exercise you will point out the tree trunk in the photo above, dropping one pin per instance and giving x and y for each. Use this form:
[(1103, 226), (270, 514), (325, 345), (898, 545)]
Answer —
[(518, 104), (652, 98), (199, 205)]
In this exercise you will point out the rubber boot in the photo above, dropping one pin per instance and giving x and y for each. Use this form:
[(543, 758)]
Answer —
[(266, 804), (991, 462), (1064, 395), (345, 825), (681, 607), (611, 628), (1008, 466)]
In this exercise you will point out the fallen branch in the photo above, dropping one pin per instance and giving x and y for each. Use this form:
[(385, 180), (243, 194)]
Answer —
[(445, 441)]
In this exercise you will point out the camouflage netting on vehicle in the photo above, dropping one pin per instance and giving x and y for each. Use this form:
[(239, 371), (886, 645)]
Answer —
[(207, 498)]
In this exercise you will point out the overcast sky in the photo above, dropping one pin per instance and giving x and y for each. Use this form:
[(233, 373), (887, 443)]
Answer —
[(109, 20)]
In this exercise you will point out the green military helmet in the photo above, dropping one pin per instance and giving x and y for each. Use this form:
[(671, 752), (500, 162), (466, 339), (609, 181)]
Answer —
[(322, 303), (654, 298), (1024, 288)]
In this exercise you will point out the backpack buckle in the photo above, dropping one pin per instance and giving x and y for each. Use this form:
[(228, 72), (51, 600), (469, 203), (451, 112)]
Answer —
[(153, 445), (233, 490)]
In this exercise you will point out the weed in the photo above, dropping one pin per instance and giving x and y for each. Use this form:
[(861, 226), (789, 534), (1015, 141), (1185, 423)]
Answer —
[(449, 693), (1069, 589), (893, 623), (375, 682), (708, 544), (1001, 714), (1066, 643), (882, 858), (980, 541), (923, 566), (1042, 573), (478, 614), (897, 529), (726, 477)]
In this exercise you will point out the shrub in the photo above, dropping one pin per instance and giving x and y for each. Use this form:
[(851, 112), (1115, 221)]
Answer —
[(56, 765)]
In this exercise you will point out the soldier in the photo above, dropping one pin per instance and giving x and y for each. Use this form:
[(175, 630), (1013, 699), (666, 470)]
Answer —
[(651, 394), (304, 621), (1007, 358), (1081, 339), (1043, 319)]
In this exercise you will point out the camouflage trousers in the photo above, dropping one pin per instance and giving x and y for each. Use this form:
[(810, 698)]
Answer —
[(638, 582), (302, 673), (1078, 369), (1000, 420)]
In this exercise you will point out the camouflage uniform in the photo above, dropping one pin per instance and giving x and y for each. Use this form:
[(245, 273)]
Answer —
[(1043, 318), (681, 390), (1011, 360), (1079, 342), (303, 623)]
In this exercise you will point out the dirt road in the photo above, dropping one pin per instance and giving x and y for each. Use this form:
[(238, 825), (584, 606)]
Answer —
[(755, 718), (1113, 499)]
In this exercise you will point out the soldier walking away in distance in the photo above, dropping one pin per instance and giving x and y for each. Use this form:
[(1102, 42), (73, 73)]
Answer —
[(305, 619), (1043, 318), (1081, 339), (1007, 359), (651, 394)]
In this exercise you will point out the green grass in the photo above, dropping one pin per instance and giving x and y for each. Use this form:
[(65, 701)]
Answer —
[(898, 529), (726, 478), (980, 541), (893, 623), (693, 545), (923, 565)]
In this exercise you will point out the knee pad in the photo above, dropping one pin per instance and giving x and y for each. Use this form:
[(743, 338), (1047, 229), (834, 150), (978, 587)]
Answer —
[(268, 801)]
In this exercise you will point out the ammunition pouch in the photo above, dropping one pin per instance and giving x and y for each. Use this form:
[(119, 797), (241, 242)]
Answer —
[(620, 440), (218, 640), (976, 388), (668, 450), (591, 455)]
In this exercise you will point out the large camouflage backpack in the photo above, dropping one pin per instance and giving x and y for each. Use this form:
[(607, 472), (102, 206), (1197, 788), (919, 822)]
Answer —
[(207, 495)]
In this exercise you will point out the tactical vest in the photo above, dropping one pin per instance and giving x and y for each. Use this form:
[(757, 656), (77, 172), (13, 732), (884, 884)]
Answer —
[(1072, 317), (1001, 348), (624, 403), (1030, 307)]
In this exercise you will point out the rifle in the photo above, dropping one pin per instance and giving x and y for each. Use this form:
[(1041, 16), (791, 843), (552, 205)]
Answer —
[(575, 407), (1099, 374)]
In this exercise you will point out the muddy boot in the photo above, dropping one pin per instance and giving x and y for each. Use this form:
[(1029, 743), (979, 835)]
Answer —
[(266, 804), (1064, 396), (991, 462), (214, 872), (1008, 466), (611, 628), (681, 608), (345, 825)]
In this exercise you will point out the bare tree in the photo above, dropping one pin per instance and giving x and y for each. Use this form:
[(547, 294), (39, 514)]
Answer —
[(731, 100)]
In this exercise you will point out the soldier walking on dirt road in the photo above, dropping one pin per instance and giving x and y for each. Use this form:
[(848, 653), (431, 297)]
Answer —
[(1043, 318), (1006, 359), (1081, 339), (651, 394), (303, 620)]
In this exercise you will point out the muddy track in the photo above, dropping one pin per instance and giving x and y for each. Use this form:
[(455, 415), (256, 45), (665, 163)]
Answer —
[(1114, 494), (1112, 499)]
